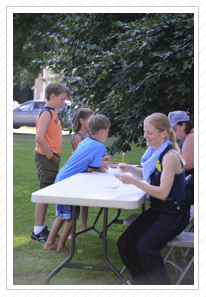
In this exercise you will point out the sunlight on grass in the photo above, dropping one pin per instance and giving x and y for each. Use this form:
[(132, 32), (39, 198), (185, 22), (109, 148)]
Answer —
[(20, 240)]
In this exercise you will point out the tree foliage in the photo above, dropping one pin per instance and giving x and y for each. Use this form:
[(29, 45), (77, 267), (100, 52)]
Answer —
[(31, 32), (30, 39), (131, 65)]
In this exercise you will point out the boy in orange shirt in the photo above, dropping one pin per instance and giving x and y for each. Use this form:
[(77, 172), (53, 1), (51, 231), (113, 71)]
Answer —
[(48, 150)]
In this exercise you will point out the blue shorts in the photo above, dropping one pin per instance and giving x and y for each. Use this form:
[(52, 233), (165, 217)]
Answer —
[(65, 211)]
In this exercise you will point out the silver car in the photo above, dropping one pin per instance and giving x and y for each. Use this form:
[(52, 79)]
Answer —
[(26, 113)]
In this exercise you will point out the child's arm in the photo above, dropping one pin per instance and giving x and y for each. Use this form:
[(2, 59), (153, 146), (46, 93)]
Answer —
[(96, 161), (188, 152), (44, 120), (77, 139), (89, 170), (102, 168)]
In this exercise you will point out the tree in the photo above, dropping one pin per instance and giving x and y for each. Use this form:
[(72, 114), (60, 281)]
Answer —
[(22, 82), (30, 39), (131, 65)]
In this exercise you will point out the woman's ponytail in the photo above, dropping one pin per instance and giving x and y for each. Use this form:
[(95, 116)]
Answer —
[(172, 137)]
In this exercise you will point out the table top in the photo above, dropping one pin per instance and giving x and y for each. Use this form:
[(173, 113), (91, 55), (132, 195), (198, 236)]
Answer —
[(92, 189)]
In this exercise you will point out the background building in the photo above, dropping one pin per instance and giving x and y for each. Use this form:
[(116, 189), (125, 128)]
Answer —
[(44, 78)]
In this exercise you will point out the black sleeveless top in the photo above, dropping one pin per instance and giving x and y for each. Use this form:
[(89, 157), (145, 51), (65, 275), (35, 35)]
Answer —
[(178, 190)]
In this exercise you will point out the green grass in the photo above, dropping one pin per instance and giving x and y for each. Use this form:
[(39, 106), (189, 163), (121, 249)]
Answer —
[(32, 264)]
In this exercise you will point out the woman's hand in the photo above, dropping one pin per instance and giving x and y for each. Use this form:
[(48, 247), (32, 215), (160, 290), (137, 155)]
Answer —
[(125, 178), (124, 167)]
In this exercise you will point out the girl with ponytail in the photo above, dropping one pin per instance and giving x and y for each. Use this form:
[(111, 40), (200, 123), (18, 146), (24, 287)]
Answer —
[(80, 126), (80, 132)]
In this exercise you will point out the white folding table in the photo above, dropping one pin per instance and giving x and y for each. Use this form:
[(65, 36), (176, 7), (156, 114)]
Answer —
[(97, 190)]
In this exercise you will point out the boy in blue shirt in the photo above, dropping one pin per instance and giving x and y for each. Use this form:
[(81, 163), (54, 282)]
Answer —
[(86, 158)]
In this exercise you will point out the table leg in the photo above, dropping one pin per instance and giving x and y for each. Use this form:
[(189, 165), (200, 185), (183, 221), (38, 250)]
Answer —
[(66, 263), (55, 271), (105, 247), (93, 226), (113, 221)]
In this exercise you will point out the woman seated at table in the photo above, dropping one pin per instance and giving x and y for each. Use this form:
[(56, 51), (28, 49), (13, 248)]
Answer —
[(140, 245)]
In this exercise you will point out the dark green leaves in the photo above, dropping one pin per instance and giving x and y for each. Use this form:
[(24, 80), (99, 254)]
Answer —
[(131, 65)]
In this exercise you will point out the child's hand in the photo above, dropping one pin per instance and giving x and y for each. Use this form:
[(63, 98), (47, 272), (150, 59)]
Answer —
[(106, 159), (123, 167), (103, 167)]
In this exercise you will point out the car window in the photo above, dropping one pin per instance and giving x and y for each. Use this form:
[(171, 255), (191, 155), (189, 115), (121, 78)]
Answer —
[(39, 105), (29, 105)]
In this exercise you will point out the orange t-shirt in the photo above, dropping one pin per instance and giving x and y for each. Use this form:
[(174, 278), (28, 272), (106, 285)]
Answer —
[(53, 134)]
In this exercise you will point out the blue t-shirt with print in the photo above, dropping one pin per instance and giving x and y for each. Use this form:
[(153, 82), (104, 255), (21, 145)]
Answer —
[(87, 155)]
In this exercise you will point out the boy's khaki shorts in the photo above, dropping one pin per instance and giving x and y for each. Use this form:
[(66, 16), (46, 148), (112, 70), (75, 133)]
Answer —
[(46, 169)]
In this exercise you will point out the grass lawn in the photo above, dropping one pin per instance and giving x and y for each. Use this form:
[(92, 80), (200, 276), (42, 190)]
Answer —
[(32, 264)]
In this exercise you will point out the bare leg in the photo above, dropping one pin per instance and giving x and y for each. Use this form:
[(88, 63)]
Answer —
[(40, 214), (65, 233), (49, 244), (84, 216)]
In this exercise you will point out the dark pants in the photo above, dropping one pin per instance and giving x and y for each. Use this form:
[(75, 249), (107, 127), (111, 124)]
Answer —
[(140, 245), (190, 189), (46, 169)]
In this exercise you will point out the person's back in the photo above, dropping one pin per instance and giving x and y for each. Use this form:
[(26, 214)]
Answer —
[(86, 158), (87, 155)]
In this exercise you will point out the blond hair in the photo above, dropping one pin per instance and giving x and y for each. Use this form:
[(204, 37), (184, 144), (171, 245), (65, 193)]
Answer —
[(98, 122), (161, 122)]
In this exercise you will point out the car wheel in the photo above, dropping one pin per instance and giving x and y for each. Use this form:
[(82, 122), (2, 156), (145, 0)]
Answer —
[(16, 127)]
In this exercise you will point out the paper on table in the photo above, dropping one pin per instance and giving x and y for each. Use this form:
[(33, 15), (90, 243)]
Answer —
[(114, 171), (117, 172)]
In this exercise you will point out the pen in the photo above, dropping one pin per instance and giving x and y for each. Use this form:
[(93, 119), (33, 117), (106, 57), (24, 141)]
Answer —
[(123, 158)]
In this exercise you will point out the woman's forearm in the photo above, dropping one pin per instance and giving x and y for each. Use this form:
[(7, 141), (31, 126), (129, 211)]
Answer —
[(155, 191), (137, 171)]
